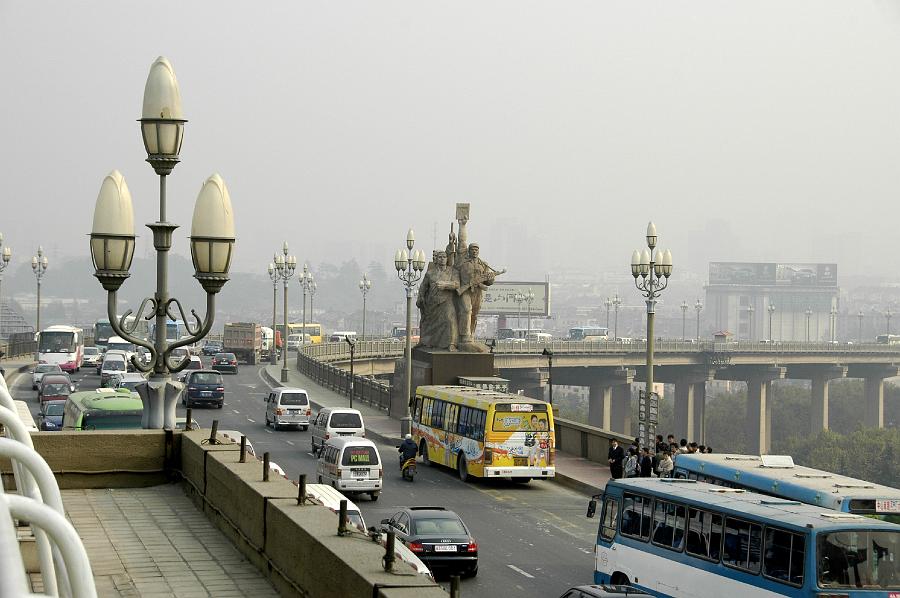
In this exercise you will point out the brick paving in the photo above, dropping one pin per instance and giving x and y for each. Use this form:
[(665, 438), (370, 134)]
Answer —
[(153, 542)]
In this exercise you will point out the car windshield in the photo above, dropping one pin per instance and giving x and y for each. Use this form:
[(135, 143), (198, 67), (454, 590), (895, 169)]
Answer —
[(346, 420), (206, 378), (91, 351), (54, 408), (55, 389), (360, 455), (438, 525), (46, 367), (859, 559), (294, 398), (114, 365)]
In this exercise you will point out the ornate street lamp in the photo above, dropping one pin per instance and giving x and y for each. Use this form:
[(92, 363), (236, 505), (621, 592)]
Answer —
[(888, 314), (112, 248), (529, 299), (312, 295), (307, 283), (771, 310), (274, 277), (833, 313), (808, 313), (39, 265), (617, 301), (608, 307), (860, 315), (364, 285), (409, 265), (651, 269), (283, 270), (699, 307), (6, 255), (750, 311), (684, 308)]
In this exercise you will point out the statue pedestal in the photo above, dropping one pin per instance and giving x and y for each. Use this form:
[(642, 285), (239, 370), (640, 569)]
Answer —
[(432, 366)]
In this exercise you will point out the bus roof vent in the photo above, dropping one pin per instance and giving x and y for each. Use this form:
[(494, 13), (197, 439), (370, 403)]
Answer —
[(742, 458), (777, 461), (778, 501), (813, 476), (838, 516), (724, 490), (677, 481), (853, 485)]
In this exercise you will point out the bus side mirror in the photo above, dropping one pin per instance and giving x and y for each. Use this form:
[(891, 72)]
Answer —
[(592, 508)]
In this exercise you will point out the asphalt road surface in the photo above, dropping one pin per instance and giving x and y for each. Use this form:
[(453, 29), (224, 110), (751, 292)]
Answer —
[(533, 539)]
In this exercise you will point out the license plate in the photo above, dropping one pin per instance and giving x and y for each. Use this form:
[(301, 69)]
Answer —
[(887, 505), (205, 393), (520, 461), (360, 473), (445, 547)]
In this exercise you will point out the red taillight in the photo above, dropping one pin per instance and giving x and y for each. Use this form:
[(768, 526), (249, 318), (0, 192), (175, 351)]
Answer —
[(279, 411), (327, 436), (416, 547), (488, 456), (380, 472), (473, 547), (551, 457), (221, 389), (308, 412)]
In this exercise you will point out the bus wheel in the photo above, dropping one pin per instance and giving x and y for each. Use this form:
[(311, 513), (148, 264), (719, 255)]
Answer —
[(423, 450), (620, 579), (463, 470)]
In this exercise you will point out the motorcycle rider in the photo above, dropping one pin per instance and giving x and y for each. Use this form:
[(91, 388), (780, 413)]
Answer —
[(408, 449)]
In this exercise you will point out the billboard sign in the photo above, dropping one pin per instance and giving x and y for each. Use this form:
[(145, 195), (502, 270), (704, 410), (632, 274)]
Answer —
[(769, 273), (751, 273), (499, 299)]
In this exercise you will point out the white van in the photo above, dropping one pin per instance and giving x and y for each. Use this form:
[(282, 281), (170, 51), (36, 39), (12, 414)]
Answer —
[(339, 336), (288, 407), (351, 465), (331, 499), (332, 422)]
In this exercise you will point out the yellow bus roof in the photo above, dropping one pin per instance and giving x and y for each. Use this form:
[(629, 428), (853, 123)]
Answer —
[(473, 396)]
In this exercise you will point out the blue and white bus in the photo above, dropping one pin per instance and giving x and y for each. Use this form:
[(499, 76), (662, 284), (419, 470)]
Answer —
[(589, 333), (676, 537), (777, 475), (175, 329)]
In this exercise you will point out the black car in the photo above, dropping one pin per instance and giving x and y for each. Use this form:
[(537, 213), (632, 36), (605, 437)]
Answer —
[(51, 415), (225, 361), (212, 348), (203, 387), (438, 537), (602, 591)]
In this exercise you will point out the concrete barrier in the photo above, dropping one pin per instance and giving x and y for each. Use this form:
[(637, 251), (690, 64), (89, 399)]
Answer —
[(297, 547), (586, 441)]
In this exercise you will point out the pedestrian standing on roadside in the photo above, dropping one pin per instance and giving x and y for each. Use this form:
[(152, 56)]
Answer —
[(666, 465), (616, 458), (646, 463)]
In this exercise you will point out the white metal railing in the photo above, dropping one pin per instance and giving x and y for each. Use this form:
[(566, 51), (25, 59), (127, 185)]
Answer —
[(65, 569), (390, 349)]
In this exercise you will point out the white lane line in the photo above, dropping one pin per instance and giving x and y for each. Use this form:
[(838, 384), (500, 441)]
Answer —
[(236, 411), (313, 455), (517, 570), (289, 442), (268, 431), (252, 421)]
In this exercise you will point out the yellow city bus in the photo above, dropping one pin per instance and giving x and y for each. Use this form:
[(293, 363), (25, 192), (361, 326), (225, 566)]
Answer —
[(484, 433), (313, 330)]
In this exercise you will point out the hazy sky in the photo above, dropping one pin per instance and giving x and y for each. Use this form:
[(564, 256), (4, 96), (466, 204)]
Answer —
[(763, 130)]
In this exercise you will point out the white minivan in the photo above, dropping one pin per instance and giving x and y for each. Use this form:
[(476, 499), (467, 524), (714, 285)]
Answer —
[(351, 465), (333, 422), (288, 407)]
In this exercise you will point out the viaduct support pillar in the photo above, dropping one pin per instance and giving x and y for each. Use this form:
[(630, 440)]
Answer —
[(819, 376), (700, 412), (600, 405), (621, 409), (601, 398), (759, 378), (873, 396), (690, 400)]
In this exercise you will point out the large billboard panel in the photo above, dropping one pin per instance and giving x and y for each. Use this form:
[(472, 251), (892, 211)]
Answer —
[(752, 273), (768, 274), (499, 299)]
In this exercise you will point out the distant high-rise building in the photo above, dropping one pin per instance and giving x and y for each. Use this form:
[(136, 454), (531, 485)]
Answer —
[(802, 296)]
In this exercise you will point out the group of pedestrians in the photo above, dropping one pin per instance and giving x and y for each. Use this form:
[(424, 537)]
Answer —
[(640, 461)]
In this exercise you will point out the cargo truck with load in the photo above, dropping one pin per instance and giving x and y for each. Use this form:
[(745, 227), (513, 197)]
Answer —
[(244, 339)]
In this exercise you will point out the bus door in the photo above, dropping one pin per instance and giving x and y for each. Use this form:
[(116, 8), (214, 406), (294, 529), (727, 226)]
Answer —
[(450, 418)]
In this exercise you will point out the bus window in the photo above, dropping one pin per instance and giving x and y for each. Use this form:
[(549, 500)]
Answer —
[(636, 516), (668, 525), (704, 534), (784, 556), (742, 545), (610, 519)]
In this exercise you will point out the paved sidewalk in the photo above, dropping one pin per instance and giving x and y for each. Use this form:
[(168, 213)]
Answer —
[(154, 542), (576, 473)]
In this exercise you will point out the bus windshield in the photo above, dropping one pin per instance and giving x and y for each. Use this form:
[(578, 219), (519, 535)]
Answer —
[(57, 342), (99, 420), (859, 559), (102, 331)]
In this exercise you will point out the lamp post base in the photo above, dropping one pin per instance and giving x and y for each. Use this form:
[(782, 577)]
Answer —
[(405, 426), (284, 375)]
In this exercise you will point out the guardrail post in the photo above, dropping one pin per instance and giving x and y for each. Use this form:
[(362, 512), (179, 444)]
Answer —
[(454, 586), (301, 490), (243, 449), (342, 518), (389, 552), (213, 431), (266, 466)]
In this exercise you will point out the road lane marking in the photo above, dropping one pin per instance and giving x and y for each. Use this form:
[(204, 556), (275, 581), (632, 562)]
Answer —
[(236, 411), (289, 442), (268, 431), (252, 421), (517, 570)]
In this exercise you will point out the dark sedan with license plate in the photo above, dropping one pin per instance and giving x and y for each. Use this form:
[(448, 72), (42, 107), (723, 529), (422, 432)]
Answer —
[(438, 537), (51, 416), (203, 387), (225, 362)]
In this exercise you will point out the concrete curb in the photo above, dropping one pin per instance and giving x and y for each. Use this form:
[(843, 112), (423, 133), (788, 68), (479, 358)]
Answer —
[(369, 431)]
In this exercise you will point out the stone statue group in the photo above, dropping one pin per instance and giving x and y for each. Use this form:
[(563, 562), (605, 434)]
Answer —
[(450, 295)]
